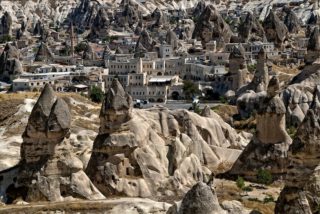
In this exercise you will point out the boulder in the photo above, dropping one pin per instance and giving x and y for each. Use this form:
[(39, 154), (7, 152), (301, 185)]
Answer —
[(200, 199)]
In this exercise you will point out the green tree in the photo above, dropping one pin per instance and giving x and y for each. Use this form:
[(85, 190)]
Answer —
[(80, 47), (190, 89), (264, 177), (240, 182), (5, 38), (96, 94)]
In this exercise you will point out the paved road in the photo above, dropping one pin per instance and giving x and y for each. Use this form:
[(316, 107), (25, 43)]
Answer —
[(172, 106)]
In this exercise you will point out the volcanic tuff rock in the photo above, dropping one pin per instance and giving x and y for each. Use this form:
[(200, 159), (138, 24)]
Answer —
[(145, 41), (211, 26), (44, 53), (275, 30), (172, 39), (298, 95), (198, 10), (202, 199), (292, 22), (313, 46), (48, 170), (89, 54), (300, 194), (156, 151), (184, 29), (10, 66), (100, 24), (129, 16), (250, 29), (199, 199), (158, 18), (6, 24), (269, 147)]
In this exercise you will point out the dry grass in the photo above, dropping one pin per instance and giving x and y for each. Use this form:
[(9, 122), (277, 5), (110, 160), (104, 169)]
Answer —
[(228, 190), (225, 111), (264, 208)]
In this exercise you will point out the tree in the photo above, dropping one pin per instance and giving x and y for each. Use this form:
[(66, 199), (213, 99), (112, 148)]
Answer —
[(264, 177), (81, 47), (96, 94), (190, 89), (240, 182)]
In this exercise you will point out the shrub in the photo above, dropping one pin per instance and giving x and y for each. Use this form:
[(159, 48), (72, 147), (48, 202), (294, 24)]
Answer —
[(247, 189), (223, 99), (5, 38), (190, 89), (268, 199), (240, 182), (264, 177), (291, 131), (96, 94)]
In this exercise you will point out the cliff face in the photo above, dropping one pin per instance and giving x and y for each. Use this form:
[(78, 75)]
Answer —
[(156, 151)]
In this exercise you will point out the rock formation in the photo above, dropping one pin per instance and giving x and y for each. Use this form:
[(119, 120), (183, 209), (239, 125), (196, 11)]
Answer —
[(10, 66), (250, 95), (6, 25), (158, 18), (184, 30), (129, 16), (292, 21), (38, 29), (48, 170), (313, 46), (298, 95), (44, 54), (89, 54), (276, 31), (100, 24), (198, 10), (145, 41), (156, 151), (250, 29), (172, 39), (202, 199), (268, 149), (211, 26), (300, 194), (199, 199), (238, 68)]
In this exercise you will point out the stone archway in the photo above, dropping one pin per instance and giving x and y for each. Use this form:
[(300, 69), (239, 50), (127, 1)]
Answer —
[(175, 95)]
